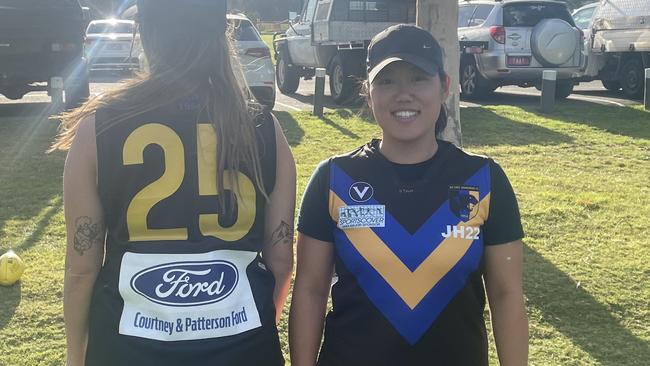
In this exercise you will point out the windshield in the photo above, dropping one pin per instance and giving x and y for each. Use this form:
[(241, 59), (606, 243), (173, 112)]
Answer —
[(244, 30), (97, 28), (529, 14)]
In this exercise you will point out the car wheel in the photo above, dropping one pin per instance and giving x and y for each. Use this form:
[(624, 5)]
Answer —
[(14, 94), (472, 84), (632, 79), (342, 87), (286, 76), (611, 85), (563, 89)]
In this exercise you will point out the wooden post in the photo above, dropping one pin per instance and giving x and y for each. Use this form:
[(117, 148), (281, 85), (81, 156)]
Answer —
[(440, 17)]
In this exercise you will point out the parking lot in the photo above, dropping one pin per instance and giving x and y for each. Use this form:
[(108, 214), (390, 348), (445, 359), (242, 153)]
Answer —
[(592, 92)]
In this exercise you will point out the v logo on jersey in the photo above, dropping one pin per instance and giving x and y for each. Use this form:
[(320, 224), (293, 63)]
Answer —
[(361, 192), (410, 278)]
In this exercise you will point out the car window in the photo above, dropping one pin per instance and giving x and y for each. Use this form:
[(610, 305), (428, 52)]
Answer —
[(308, 11), (480, 15), (97, 28), (529, 14), (465, 15), (244, 30), (583, 17)]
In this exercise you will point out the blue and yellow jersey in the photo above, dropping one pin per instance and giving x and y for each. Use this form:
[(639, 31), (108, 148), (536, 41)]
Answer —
[(183, 282), (409, 243)]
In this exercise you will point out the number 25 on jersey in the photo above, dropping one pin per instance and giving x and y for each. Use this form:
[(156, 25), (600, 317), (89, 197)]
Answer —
[(172, 178)]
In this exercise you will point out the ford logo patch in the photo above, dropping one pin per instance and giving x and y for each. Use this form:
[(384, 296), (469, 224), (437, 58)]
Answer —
[(187, 283)]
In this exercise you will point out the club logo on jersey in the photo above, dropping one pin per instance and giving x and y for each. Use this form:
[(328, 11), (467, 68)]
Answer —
[(187, 283), (361, 192), (464, 201)]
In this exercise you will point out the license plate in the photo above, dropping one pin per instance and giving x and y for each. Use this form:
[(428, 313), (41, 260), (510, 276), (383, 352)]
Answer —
[(518, 60), (114, 47)]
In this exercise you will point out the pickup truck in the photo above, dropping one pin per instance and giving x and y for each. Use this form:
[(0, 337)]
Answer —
[(335, 34), (619, 45), (42, 48)]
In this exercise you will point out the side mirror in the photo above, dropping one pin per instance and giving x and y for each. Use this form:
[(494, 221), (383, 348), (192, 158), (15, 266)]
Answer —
[(293, 16)]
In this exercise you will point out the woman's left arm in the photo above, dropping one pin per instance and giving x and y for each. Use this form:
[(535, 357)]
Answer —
[(503, 283), (278, 238)]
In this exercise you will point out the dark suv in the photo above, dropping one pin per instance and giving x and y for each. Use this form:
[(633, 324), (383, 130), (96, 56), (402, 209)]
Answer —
[(41, 42), (514, 41)]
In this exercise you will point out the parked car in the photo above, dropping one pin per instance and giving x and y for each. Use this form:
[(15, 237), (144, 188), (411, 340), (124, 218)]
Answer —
[(112, 44), (512, 42), (335, 35), (41, 49), (255, 58), (619, 45)]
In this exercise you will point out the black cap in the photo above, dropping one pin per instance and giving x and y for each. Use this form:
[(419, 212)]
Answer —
[(404, 42), (179, 15)]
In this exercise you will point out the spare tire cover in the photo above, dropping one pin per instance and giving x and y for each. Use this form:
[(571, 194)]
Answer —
[(554, 41)]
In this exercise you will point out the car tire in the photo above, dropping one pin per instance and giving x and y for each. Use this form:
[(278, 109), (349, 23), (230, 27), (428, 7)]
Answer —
[(472, 84), (632, 78), (563, 89), (342, 87), (611, 85), (14, 94), (286, 76)]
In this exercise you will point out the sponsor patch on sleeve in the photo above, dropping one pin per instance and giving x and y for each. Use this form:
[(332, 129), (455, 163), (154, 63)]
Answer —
[(176, 297), (358, 216)]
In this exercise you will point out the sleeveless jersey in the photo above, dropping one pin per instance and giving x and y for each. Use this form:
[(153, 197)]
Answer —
[(409, 258), (182, 283)]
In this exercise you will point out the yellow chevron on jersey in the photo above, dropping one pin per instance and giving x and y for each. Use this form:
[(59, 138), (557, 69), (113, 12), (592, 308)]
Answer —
[(411, 286), (411, 276)]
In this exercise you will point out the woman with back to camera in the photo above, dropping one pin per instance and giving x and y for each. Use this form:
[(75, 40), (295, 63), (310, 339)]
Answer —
[(179, 202), (411, 225)]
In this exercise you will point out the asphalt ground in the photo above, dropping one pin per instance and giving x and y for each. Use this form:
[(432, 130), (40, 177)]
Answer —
[(302, 100)]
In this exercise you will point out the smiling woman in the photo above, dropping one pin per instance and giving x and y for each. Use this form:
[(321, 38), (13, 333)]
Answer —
[(412, 226)]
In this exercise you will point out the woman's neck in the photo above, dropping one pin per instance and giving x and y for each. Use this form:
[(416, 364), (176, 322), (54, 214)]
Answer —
[(409, 152)]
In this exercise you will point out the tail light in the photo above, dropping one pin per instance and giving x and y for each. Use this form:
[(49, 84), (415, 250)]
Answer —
[(498, 34), (258, 52)]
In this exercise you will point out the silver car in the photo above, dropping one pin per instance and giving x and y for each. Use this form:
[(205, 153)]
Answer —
[(512, 42)]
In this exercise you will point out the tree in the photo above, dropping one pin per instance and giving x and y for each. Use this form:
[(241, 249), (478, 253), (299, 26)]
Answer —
[(440, 17)]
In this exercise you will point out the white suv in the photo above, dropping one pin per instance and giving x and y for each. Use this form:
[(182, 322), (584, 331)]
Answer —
[(512, 42)]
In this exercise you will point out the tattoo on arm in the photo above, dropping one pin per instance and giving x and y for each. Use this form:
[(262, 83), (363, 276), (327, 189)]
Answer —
[(87, 235), (283, 233)]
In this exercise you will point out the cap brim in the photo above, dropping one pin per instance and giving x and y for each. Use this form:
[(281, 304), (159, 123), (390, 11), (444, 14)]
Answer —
[(425, 65)]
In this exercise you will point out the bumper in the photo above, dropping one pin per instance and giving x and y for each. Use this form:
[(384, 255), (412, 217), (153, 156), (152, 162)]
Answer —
[(493, 67), (114, 63), (265, 95)]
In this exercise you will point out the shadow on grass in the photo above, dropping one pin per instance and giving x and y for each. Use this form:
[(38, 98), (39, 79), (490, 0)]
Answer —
[(575, 313), (30, 178), (483, 127), (628, 122), (292, 130), (41, 226), (9, 300)]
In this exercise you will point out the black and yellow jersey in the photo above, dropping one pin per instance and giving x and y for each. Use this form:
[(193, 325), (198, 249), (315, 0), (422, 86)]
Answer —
[(182, 282), (409, 243)]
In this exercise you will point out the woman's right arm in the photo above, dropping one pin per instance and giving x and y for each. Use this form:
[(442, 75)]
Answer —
[(85, 238), (309, 300)]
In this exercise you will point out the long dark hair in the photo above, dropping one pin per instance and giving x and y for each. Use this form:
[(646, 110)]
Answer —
[(186, 62)]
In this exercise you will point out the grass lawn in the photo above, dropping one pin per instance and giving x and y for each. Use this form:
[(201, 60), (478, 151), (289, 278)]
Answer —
[(582, 176)]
